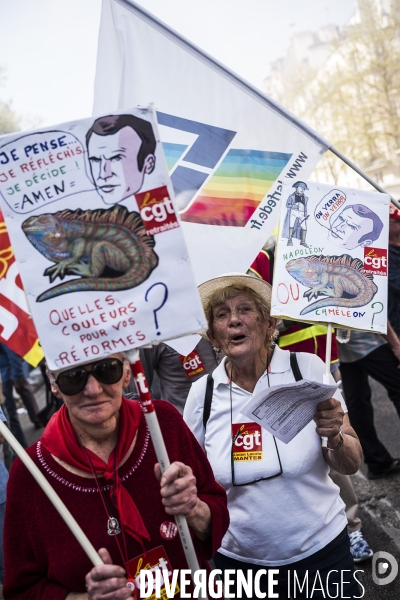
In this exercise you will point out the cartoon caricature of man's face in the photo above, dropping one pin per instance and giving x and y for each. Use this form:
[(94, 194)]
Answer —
[(348, 228), (114, 164)]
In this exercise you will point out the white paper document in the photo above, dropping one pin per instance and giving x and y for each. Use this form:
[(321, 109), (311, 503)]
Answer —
[(284, 410)]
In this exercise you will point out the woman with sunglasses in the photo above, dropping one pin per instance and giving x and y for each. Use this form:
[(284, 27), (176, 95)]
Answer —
[(285, 512), (97, 454)]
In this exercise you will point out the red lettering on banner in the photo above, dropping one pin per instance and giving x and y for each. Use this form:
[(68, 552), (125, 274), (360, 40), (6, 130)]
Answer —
[(157, 210), (192, 364), (375, 261)]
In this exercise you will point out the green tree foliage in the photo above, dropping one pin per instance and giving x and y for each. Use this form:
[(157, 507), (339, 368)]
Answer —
[(9, 121), (358, 99), (354, 99)]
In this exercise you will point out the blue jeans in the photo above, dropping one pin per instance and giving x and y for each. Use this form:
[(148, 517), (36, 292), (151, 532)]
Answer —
[(334, 558)]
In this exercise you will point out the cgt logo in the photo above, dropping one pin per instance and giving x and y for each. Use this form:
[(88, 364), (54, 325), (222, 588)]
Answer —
[(192, 364), (247, 437), (157, 211), (384, 568), (375, 261)]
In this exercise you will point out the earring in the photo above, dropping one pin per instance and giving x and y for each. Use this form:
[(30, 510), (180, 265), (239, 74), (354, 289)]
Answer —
[(216, 350)]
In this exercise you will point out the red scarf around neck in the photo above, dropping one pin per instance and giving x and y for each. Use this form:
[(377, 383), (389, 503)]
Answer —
[(60, 439)]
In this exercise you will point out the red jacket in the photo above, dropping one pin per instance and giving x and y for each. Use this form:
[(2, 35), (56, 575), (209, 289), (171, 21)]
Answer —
[(43, 560)]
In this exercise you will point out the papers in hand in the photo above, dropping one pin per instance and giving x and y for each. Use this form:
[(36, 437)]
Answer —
[(284, 410)]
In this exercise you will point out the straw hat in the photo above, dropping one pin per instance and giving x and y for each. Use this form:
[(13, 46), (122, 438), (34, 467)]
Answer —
[(260, 286)]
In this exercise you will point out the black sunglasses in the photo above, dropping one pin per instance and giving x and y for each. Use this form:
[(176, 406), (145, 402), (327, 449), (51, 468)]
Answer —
[(73, 381)]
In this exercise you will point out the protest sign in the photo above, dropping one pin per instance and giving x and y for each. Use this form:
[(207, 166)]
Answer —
[(18, 331), (229, 147), (331, 259), (92, 220)]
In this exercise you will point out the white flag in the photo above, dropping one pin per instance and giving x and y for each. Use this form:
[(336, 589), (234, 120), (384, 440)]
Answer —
[(229, 148)]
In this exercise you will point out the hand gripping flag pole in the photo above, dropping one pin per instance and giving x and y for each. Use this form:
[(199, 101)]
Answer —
[(161, 452), (52, 495)]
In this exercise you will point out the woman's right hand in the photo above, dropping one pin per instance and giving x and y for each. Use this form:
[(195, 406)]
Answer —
[(107, 581)]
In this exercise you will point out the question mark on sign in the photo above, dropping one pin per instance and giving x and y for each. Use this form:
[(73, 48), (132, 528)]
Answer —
[(163, 301), (375, 313)]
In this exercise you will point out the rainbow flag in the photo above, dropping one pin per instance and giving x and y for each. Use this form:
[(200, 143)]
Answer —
[(234, 191)]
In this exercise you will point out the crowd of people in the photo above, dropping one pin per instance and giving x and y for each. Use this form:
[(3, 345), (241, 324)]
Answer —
[(289, 507)]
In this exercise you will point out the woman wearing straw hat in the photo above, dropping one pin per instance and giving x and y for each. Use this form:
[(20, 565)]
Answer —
[(285, 512), (97, 454)]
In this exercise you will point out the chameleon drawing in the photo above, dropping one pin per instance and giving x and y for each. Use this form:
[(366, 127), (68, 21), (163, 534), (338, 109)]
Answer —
[(340, 278), (109, 249)]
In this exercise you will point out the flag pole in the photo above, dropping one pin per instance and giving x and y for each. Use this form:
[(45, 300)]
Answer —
[(52, 495), (161, 451), (353, 166), (327, 374)]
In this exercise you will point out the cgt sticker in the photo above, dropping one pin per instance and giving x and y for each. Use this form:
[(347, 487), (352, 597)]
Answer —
[(247, 438), (157, 211), (153, 560), (192, 364), (375, 261)]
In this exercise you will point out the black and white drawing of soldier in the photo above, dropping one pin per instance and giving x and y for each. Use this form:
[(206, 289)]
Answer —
[(295, 224)]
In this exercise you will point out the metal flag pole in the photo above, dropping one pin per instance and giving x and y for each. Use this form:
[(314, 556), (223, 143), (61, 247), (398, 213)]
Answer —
[(52, 495), (353, 166), (161, 451)]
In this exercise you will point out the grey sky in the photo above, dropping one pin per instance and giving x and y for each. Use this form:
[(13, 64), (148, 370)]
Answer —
[(48, 47)]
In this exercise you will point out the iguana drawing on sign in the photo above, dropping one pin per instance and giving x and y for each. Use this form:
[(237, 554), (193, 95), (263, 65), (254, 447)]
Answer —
[(341, 278), (109, 249)]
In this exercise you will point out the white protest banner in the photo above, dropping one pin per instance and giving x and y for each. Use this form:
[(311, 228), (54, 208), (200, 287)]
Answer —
[(331, 258), (90, 214), (229, 147)]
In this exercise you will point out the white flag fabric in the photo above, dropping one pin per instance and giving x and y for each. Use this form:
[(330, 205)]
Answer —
[(331, 257), (229, 148)]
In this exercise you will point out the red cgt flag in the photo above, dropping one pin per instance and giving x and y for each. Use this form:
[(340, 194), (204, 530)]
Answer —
[(17, 330)]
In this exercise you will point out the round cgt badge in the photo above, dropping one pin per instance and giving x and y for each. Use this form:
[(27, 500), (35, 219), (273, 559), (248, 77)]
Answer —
[(168, 530)]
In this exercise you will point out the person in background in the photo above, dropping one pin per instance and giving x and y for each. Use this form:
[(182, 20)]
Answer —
[(3, 489), (371, 355), (263, 264), (175, 372), (303, 337), (394, 269), (12, 375)]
